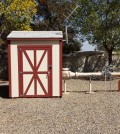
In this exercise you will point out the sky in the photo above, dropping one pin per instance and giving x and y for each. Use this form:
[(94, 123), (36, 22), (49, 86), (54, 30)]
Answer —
[(87, 47)]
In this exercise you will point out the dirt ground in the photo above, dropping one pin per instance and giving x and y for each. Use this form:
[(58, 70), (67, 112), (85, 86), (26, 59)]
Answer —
[(74, 113)]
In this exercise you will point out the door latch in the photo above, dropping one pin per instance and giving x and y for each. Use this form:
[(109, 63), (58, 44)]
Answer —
[(49, 66), (48, 74)]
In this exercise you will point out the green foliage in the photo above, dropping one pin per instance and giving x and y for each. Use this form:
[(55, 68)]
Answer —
[(37, 15), (73, 43), (71, 47), (15, 15), (99, 22), (51, 16)]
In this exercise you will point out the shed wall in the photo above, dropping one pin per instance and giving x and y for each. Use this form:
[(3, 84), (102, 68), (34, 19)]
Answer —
[(55, 65)]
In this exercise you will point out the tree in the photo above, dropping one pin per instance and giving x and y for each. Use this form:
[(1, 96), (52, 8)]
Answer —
[(99, 22), (51, 16), (16, 15), (73, 43)]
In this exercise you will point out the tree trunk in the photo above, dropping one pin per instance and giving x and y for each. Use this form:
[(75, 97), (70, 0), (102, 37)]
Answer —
[(110, 57)]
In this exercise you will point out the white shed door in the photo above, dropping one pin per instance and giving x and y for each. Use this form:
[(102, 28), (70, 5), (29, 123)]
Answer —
[(35, 71)]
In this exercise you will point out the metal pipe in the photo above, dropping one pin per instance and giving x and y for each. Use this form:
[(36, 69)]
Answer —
[(90, 86), (66, 34), (68, 74), (115, 73)]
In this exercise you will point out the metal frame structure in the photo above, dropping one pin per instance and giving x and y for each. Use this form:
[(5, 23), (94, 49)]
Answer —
[(68, 74), (66, 21)]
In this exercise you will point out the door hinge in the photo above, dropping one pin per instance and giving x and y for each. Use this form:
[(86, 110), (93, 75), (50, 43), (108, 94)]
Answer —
[(20, 49), (21, 95)]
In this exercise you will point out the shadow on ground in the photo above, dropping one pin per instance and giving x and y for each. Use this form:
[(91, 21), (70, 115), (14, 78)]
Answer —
[(93, 91), (4, 91), (105, 90)]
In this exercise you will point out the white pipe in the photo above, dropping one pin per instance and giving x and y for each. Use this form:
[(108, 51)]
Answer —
[(89, 74), (115, 73), (90, 86), (65, 87), (68, 74)]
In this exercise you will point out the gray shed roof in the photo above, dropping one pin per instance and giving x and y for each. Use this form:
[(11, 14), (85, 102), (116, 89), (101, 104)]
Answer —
[(35, 34)]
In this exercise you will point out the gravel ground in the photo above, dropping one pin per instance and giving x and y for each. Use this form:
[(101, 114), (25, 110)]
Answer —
[(74, 113)]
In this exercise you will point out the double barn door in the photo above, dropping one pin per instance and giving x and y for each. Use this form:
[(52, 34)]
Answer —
[(35, 71)]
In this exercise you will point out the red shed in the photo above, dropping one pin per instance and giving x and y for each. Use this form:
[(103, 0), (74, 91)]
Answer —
[(35, 63)]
